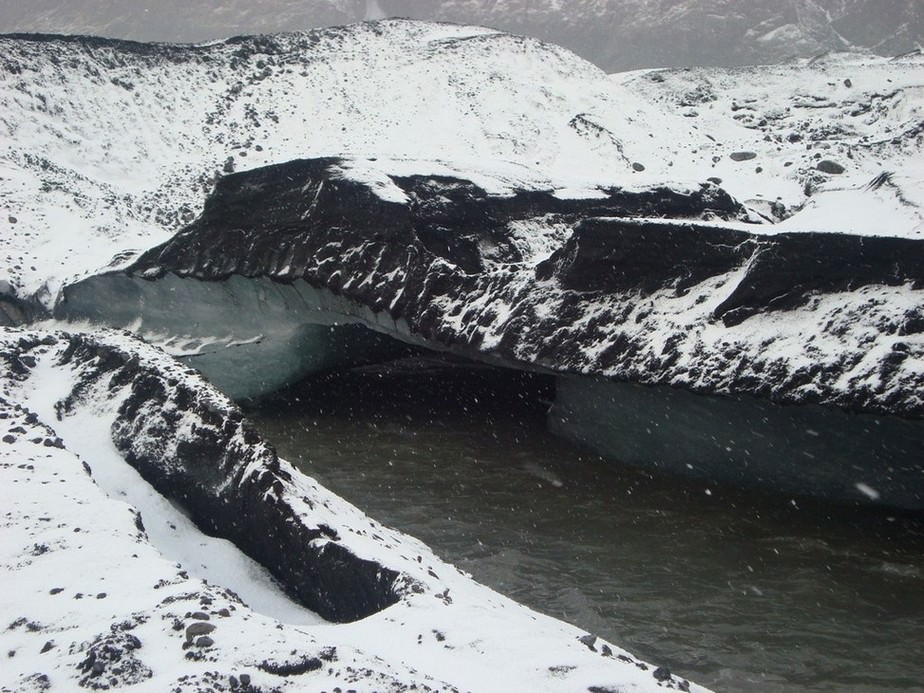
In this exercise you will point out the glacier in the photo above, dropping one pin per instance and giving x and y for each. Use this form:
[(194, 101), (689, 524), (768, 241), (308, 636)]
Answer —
[(729, 258), (746, 442)]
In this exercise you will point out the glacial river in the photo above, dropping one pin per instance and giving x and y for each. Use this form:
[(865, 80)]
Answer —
[(735, 590)]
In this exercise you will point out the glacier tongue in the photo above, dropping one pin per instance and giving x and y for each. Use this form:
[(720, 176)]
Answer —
[(294, 268), (708, 306)]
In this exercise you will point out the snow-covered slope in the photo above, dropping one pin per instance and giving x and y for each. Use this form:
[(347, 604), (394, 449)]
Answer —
[(831, 144), (97, 595), (113, 146), (110, 147)]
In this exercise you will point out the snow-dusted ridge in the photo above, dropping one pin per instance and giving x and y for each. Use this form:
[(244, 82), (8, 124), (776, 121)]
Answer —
[(615, 34), (75, 406)]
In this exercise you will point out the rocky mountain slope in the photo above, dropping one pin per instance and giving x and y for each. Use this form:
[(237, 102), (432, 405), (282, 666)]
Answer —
[(613, 34)]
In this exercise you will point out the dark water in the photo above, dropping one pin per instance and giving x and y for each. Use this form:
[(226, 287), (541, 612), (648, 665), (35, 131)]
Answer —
[(735, 590)]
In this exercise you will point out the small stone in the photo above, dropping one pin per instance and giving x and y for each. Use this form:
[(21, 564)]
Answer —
[(662, 674), (56, 590), (589, 640), (742, 156), (636, 166), (204, 641), (199, 616), (245, 679)]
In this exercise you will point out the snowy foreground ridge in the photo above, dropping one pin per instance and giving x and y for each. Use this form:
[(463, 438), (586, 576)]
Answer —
[(98, 425)]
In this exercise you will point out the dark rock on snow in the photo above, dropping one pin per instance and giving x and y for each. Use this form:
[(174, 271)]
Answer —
[(828, 166)]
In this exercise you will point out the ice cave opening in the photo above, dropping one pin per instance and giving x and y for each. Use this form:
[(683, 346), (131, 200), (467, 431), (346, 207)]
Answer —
[(252, 336)]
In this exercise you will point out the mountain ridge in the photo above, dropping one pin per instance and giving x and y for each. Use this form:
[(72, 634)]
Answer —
[(616, 35)]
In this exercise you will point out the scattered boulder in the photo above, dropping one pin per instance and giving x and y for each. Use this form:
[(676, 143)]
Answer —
[(828, 166), (111, 662), (742, 156), (662, 674), (198, 628)]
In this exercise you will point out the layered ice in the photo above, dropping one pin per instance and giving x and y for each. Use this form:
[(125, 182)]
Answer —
[(249, 337)]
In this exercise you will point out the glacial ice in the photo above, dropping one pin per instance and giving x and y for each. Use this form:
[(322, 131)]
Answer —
[(248, 337), (253, 336), (805, 450)]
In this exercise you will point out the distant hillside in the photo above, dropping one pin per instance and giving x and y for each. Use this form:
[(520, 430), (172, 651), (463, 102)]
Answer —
[(614, 34)]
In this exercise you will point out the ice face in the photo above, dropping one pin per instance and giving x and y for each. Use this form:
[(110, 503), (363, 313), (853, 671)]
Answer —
[(744, 441), (249, 337)]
